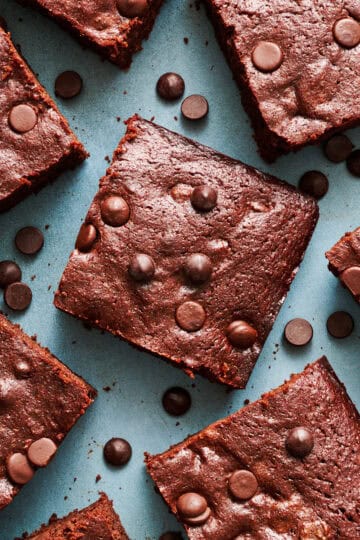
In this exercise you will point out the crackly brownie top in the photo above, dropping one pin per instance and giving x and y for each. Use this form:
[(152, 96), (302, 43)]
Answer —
[(344, 261), (301, 60), (34, 136), (286, 466), (40, 400)]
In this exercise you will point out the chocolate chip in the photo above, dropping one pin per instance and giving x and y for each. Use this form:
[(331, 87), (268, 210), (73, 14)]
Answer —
[(241, 334), (29, 240), (198, 268), (314, 183), (142, 267), (115, 211), (19, 469), (340, 324), (267, 56), (299, 442), (190, 316), (193, 508), (298, 332), (9, 273), (353, 163), (243, 484), (351, 278), (171, 535), (18, 296), (22, 118), (117, 451), (204, 198), (176, 401), (132, 8), (170, 86), (347, 32), (68, 84), (86, 237), (338, 148), (41, 451), (195, 107), (22, 369)]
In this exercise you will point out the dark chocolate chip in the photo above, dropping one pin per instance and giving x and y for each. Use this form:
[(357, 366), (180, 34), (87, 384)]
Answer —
[(190, 316), (340, 324), (176, 401), (243, 484), (117, 451), (19, 469), (353, 163), (299, 442), (193, 508), (195, 107), (298, 332), (347, 32), (204, 198), (22, 118), (22, 369), (132, 8), (267, 56), (68, 84), (9, 273), (18, 296), (142, 267), (29, 240), (314, 183), (170, 86), (171, 535), (115, 211), (351, 278), (241, 334), (86, 237), (41, 452), (198, 268), (338, 148)]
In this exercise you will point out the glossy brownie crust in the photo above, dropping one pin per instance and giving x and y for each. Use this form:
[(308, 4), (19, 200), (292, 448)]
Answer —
[(316, 497), (313, 93), (39, 398), (255, 239), (30, 160), (96, 522), (98, 24), (344, 261)]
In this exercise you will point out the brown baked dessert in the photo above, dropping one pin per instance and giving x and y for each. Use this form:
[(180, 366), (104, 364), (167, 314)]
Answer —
[(344, 261)]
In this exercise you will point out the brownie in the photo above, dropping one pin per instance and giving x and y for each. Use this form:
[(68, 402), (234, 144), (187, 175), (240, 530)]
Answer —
[(297, 66), (286, 466), (36, 141), (187, 253), (40, 401), (344, 261), (114, 28), (96, 522)]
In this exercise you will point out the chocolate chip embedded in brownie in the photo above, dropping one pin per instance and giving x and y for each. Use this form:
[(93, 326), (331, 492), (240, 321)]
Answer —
[(36, 141), (187, 253), (297, 65), (114, 28), (40, 401), (286, 466), (344, 261), (96, 522)]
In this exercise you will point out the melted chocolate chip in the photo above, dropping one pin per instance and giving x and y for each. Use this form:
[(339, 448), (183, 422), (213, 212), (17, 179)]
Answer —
[(86, 237), (9, 273), (241, 334), (117, 451), (22, 118), (267, 56), (195, 107), (176, 401), (142, 267), (29, 240), (299, 442), (170, 86), (193, 508), (351, 278), (190, 316), (243, 484), (18, 296), (115, 211), (198, 268), (204, 198), (41, 451)]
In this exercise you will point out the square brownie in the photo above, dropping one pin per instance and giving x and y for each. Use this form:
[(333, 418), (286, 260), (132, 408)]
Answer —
[(187, 253), (286, 466), (114, 28), (36, 141), (40, 401), (297, 66), (98, 521), (344, 261)]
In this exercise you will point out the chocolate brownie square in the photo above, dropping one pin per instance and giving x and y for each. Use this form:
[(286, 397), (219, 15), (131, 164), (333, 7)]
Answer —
[(344, 261), (297, 66), (40, 401), (187, 253), (98, 521), (114, 28), (285, 467), (36, 141)]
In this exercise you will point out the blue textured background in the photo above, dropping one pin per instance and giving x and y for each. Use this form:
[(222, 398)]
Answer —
[(132, 409)]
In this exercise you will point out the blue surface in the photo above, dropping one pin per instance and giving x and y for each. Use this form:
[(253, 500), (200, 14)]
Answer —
[(132, 409)]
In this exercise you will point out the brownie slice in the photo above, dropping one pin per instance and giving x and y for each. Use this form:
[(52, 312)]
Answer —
[(114, 28), (286, 466), (96, 522), (40, 401), (187, 253), (36, 141), (297, 66), (344, 261)]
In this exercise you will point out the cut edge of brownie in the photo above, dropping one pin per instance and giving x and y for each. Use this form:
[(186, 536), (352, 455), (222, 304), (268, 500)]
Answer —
[(343, 256)]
